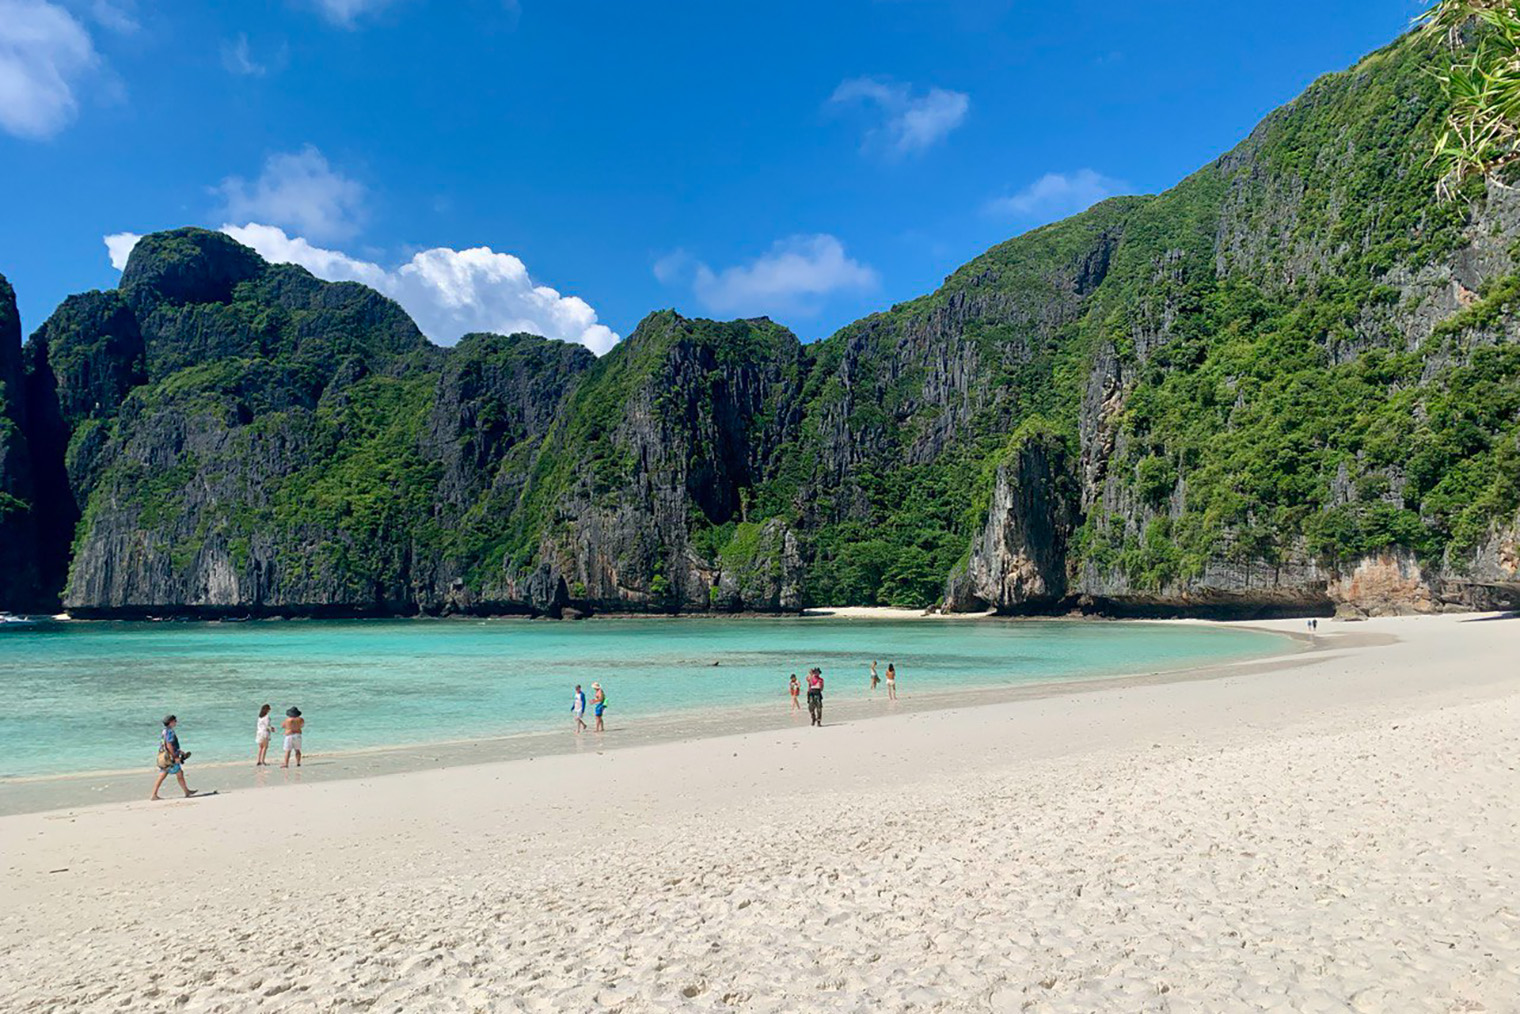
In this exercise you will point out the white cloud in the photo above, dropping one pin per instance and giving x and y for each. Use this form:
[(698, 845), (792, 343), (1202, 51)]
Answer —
[(44, 54), (300, 191), (910, 123), (237, 57), (449, 293), (119, 247), (346, 13), (1056, 195), (792, 277)]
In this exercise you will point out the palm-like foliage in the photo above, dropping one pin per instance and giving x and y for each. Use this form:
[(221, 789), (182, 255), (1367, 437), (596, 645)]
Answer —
[(1482, 135)]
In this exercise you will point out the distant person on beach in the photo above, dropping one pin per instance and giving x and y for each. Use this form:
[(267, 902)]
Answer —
[(815, 695), (598, 704), (796, 688), (875, 679), (578, 708), (292, 725), (261, 734), (171, 759), (891, 682)]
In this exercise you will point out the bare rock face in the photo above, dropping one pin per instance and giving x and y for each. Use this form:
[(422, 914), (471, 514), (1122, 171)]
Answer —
[(1390, 584), (19, 577), (1018, 561)]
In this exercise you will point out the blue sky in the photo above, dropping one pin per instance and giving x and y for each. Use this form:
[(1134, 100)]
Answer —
[(566, 167)]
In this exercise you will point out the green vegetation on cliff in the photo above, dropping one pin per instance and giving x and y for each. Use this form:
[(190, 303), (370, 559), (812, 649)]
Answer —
[(1227, 394)]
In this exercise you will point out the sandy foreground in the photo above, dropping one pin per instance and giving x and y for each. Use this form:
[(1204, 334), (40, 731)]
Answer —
[(1340, 831)]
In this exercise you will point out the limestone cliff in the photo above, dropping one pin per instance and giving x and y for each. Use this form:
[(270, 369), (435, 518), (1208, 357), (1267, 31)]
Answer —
[(1291, 383)]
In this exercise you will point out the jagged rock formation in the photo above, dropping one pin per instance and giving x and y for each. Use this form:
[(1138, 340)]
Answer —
[(1291, 383), (19, 578)]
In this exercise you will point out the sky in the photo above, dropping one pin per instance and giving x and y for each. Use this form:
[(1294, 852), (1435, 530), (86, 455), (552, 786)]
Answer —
[(566, 167)]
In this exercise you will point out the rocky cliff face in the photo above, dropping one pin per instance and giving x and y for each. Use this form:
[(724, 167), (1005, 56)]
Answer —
[(19, 578), (1289, 384)]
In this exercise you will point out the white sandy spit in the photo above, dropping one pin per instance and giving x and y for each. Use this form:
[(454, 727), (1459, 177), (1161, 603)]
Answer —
[(1340, 834)]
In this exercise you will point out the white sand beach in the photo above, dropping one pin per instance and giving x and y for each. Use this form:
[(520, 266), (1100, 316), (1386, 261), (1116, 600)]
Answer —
[(1336, 831)]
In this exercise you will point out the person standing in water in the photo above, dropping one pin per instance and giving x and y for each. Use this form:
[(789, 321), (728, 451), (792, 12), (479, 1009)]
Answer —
[(795, 689), (293, 726), (578, 708), (171, 759), (598, 705), (815, 695), (875, 679), (261, 734), (891, 682)]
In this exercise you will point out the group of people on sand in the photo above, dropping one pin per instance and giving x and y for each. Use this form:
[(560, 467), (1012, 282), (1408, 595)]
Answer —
[(598, 706), (815, 690), (292, 726), (171, 757)]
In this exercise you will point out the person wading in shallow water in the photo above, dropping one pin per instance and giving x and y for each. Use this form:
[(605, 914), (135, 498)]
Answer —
[(293, 726), (171, 759), (261, 736), (578, 708), (598, 704), (794, 689), (815, 695), (891, 682)]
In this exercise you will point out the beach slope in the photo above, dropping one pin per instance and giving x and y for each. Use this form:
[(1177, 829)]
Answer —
[(1334, 833)]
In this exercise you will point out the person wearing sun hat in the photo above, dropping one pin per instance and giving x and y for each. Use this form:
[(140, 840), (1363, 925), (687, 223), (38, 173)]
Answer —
[(598, 704), (292, 725)]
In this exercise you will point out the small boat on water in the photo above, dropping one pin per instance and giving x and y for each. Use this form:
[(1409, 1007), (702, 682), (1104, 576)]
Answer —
[(12, 618)]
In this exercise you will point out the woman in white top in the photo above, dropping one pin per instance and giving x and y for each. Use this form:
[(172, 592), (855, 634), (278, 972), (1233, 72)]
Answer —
[(261, 736)]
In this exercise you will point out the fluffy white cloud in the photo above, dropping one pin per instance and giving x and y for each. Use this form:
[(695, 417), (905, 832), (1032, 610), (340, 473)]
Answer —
[(910, 123), (44, 54), (119, 247), (792, 277), (449, 293), (1056, 195), (299, 191)]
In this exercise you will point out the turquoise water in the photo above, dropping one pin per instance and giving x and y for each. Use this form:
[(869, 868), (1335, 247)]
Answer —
[(89, 697)]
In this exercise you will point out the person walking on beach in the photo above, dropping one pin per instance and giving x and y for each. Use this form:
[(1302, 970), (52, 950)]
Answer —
[(171, 759), (598, 704), (891, 682), (815, 695), (875, 679), (261, 737), (578, 708), (795, 689), (293, 725)]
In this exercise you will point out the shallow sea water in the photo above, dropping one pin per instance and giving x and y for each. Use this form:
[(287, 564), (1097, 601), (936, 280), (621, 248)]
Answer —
[(88, 697)]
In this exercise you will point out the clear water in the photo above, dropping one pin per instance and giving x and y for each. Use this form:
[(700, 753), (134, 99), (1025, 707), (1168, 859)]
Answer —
[(84, 697)]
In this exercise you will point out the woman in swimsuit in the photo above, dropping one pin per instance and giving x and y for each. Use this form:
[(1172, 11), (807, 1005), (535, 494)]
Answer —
[(598, 705), (261, 737), (891, 682), (171, 759), (796, 688), (875, 679)]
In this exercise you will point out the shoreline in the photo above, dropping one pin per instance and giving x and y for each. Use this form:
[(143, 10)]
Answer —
[(1330, 830), (64, 791)]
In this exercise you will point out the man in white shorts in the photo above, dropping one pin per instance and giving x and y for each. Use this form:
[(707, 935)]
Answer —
[(292, 725)]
